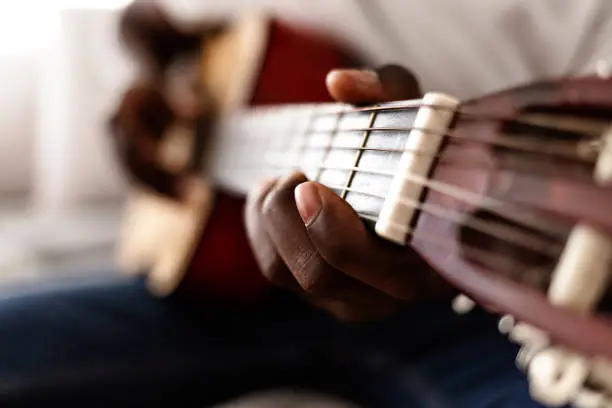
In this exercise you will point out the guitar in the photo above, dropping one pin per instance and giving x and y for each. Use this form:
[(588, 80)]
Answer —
[(494, 193), (502, 195)]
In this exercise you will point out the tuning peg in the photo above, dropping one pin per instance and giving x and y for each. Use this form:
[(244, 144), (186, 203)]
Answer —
[(528, 335), (532, 341), (603, 69), (506, 324), (463, 304), (556, 376), (524, 357)]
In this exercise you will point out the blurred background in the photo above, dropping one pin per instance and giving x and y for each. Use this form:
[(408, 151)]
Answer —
[(60, 190)]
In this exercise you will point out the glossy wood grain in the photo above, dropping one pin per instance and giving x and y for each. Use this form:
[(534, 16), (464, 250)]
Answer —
[(498, 284)]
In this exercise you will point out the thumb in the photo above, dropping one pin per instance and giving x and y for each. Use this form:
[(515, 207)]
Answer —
[(387, 83)]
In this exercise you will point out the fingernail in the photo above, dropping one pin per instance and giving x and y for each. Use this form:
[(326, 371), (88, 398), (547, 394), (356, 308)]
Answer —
[(362, 80), (366, 79), (308, 202)]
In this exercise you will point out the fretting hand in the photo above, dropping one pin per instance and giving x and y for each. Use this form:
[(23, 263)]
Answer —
[(307, 239)]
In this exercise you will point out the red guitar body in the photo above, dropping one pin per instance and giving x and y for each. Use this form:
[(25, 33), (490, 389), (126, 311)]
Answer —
[(223, 265)]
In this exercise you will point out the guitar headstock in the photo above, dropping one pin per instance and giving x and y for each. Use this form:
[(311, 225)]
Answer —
[(517, 216)]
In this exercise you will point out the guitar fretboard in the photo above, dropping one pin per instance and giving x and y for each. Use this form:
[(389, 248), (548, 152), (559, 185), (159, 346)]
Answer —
[(355, 152)]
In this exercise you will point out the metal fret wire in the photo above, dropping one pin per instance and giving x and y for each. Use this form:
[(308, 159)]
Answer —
[(563, 151), (467, 196), (497, 230), (364, 141), (465, 113), (560, 149)]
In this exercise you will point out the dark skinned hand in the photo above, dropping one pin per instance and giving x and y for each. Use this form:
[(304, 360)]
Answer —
[(307, 239)]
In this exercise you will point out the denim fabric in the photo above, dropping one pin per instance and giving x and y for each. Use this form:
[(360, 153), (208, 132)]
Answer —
[(111, 344)]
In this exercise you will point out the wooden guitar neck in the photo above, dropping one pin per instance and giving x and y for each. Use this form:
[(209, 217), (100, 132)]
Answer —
[(357, 152)]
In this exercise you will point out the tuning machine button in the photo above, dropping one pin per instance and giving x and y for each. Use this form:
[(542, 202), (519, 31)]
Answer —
[(506, 324), (463, 304), (603, 68)]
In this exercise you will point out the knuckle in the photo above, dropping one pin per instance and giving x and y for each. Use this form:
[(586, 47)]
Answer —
[(281, 197), (253, 209), (270, 205), (256, 198)]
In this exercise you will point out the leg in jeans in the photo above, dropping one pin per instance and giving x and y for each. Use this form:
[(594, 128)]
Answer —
[(111, 344)]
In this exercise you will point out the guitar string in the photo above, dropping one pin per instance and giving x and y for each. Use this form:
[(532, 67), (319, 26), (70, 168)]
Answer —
[(510, 212), (270, 159), (465, 112), (494, 206), (326, 109), (278, 159), (491, 228), (450, 134), (570, 151), (495, 229), (573, 150), (535, 277), (528, 275)]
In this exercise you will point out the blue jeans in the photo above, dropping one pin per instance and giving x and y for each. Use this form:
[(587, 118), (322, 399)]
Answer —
[(112, 344)]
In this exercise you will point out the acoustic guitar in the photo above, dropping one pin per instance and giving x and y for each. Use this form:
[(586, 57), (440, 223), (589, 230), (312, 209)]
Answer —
[(505, 196)]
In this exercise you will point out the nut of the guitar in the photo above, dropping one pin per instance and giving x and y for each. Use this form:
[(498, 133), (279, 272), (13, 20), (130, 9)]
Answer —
[(431, 123)]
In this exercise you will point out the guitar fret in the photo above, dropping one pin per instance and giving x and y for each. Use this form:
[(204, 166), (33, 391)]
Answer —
[(359, 153), (327, 142)]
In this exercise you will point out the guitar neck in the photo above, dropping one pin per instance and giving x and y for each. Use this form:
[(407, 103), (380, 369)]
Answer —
[(354, 151)]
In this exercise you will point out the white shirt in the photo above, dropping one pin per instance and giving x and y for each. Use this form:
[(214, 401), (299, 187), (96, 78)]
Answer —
[(462, 47)]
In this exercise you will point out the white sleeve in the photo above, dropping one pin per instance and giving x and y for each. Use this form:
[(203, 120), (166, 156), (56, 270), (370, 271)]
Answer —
[(197, 11), (596, 41), (466, 48), (471, 47)]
